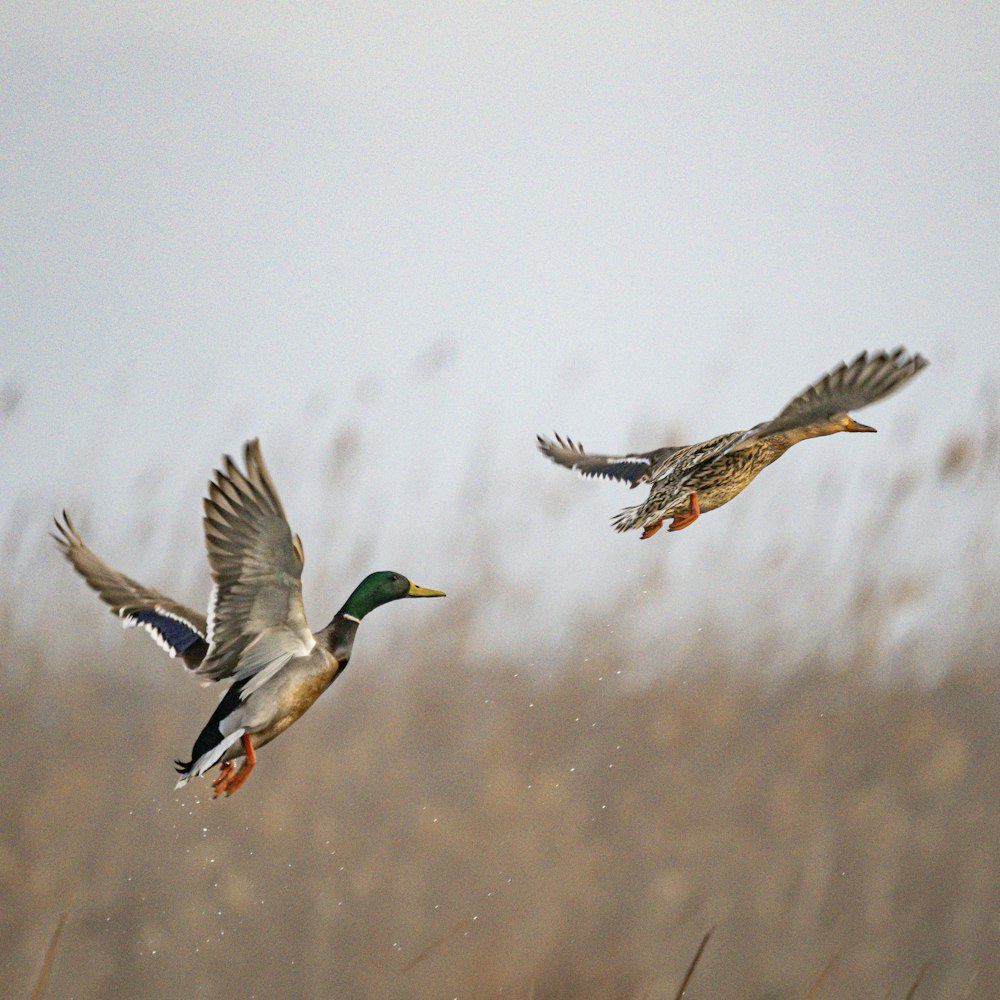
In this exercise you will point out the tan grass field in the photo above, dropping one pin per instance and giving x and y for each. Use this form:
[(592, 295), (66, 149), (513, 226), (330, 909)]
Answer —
[(457, 824), (563, 838)]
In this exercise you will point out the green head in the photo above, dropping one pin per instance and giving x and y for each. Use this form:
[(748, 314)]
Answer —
[(381, 588)]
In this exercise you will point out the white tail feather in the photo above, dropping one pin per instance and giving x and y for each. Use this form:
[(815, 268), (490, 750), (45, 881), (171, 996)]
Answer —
[(210, 759)]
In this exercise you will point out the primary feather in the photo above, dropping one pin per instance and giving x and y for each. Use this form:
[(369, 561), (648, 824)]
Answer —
[(179, 630), (848, 387), (256, 620), (633, 468)]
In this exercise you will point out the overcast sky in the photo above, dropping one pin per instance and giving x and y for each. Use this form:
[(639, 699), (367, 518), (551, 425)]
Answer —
[(450, 226)]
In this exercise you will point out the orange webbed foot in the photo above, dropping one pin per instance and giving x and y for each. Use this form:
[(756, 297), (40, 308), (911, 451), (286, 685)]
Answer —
[(651, 529), (688, 517), (235, 783), (221, 783)]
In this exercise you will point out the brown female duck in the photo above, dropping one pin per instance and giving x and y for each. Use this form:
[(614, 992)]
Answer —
[(689, 480)]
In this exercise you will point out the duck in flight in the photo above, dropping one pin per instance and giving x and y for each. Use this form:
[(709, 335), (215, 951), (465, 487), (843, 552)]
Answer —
[(689, 480), (255, 633)]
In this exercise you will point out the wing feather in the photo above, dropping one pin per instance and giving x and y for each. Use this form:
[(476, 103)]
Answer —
[(670, 476), (866, 380), (256, 620), (632, 468), (177, 629)]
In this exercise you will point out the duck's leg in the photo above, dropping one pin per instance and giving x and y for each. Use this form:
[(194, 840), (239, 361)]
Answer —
[(236, 781), (688, 517), (221, 783), (651, 529)]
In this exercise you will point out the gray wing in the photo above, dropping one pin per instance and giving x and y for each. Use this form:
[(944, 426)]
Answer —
[(867, 379), (179, 630), (633, 468), (256, 621)]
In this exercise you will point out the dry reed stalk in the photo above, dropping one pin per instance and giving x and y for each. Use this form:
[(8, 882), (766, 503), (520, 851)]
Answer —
[(916, 982), (694, 963), (818, 981), (50, 954), (437, 942)]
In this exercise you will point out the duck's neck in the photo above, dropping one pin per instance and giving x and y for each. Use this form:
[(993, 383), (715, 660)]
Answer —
[(338, 636), (783, 440), (340, 633)]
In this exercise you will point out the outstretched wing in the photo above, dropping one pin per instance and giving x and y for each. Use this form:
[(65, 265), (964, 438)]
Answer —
[(867, 379), (256, 621), (177, 629), (633, 468)]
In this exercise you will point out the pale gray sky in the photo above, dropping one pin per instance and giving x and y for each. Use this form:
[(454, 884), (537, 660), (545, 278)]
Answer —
[(454, 225)]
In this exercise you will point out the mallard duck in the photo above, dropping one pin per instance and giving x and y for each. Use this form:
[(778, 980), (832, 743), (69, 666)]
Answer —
[(689, 480), (255, 633)]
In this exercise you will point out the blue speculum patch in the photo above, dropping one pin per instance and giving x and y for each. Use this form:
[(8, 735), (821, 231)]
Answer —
[(177, 634)]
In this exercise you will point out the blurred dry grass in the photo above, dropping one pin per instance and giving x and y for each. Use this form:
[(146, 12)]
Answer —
[(573, 837), (462, 824)]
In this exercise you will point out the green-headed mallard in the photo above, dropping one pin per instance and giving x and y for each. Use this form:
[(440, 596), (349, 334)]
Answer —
[(255, 633), (690, 480)]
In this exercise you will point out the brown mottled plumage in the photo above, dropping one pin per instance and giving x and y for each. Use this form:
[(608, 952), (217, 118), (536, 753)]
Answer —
[(687, 481)]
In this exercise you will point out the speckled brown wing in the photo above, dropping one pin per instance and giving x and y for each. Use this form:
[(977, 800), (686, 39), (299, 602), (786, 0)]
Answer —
[(670, 484), (632, 468), (866, 380)]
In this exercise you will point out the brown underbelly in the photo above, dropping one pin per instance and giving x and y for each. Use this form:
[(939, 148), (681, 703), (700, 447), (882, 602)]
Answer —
[(292, 704), (719, 493), (712, 498)]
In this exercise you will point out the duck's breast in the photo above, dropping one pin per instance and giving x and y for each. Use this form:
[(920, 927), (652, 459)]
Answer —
[(288, 699)]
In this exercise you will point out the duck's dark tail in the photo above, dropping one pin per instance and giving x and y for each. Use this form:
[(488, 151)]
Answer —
[(196, 768)]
